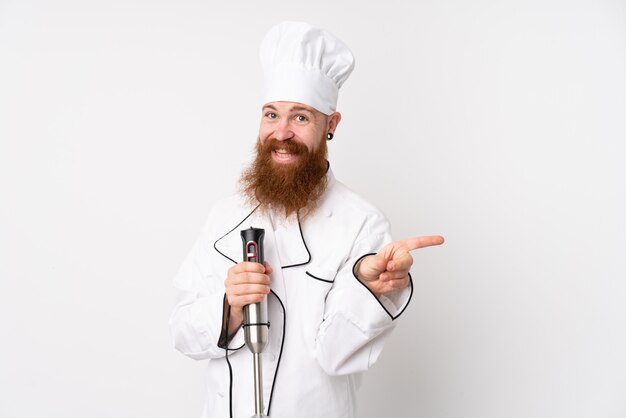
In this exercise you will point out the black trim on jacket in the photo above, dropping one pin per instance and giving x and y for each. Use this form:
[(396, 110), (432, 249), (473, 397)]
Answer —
[(318, 278), (226, 349), (305, 247), (378, 300), (236, 226)]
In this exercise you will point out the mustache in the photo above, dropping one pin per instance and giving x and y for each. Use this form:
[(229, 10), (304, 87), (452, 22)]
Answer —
[(292, 147)]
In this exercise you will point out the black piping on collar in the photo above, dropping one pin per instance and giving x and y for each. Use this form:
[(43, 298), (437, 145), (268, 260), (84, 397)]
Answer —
[(236, 226), (378, 300), (282, 343), (282, 267), (305, 247)]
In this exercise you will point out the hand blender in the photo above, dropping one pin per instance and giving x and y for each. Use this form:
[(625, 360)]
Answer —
[(255, 322)]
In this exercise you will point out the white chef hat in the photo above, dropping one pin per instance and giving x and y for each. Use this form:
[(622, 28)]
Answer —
[(304, 64)]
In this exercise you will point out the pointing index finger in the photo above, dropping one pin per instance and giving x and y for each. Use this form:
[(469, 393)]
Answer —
[(422, 242)]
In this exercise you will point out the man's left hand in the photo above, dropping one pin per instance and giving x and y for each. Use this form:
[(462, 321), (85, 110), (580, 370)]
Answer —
[(388, 270)]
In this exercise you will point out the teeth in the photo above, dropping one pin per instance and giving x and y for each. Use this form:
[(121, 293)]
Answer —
[(283, 153)]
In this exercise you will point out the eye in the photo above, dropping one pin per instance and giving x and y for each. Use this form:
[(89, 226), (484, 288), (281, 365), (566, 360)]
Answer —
[(301, 118), (271, 115)]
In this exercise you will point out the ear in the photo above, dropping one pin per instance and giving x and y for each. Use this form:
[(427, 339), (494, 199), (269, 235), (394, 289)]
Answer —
[(332, 122)]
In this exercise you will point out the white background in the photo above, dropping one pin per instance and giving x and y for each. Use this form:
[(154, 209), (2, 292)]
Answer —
[(498, 124)]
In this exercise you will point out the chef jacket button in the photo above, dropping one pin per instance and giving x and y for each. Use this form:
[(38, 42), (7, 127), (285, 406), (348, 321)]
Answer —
[(328, 213), (220, 394), (272, 357)]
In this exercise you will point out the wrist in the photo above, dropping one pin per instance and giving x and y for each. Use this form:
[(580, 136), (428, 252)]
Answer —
[(357, 269), (235, 320), (358, 274)]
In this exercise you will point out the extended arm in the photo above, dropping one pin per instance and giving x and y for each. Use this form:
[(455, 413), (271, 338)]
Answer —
[(369, 294)]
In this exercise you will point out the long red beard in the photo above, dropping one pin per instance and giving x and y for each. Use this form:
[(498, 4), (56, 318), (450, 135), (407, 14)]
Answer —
[(293, 188)]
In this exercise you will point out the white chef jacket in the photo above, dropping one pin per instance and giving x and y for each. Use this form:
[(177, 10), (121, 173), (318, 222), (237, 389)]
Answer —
[(326, 327)]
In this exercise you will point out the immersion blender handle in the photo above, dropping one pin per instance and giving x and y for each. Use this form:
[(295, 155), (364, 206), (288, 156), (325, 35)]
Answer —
[(253, 244), (255, 315)]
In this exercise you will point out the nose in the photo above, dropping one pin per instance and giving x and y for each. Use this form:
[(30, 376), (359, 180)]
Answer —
[(283, 131)]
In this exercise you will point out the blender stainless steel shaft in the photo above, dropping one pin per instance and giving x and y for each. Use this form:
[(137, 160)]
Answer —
[(255, 322)]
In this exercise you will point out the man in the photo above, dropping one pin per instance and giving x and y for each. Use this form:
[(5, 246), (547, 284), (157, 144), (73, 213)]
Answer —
[(335, 282)]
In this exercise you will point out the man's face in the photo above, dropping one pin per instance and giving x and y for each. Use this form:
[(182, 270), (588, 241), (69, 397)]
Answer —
[(289, 171), (288, 122)]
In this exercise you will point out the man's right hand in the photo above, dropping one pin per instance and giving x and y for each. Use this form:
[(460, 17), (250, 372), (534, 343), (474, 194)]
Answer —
[(246, 283)]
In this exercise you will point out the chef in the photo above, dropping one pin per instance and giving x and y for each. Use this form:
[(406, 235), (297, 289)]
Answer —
[(334, 280)]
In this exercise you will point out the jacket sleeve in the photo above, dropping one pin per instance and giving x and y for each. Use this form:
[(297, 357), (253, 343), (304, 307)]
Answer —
[(196, 323), (356, 324)]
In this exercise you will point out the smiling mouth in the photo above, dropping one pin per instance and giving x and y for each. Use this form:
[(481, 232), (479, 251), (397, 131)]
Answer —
[(284, 155)]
